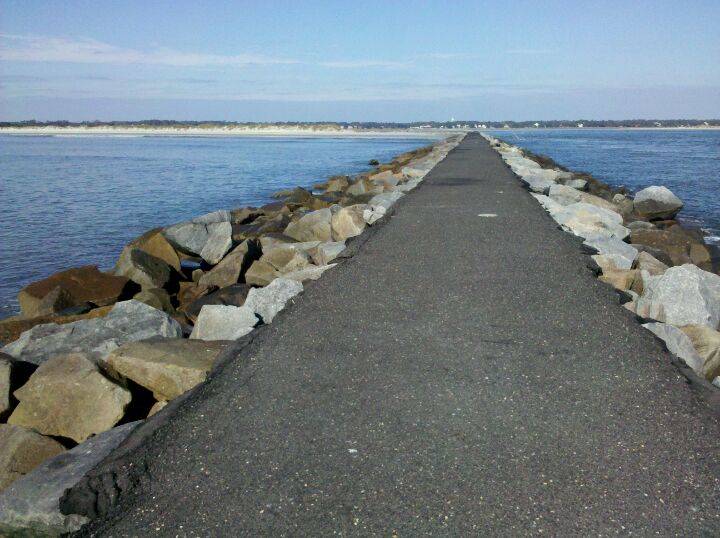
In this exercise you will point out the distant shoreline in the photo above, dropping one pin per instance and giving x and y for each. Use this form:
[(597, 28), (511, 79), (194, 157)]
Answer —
[(296, 132)]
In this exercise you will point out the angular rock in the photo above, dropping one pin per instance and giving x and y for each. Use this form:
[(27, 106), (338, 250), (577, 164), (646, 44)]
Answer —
[(579, 184), (84, 284), (639, 225), (623, 254), (144, 269), (270, 241), (707, 344), (190, 292), (221, 322), (13, 375), (12, 328), (348, 222), (156, 408), (234, 295), (679, 246), (127, 322), (155, 244), (649, 263), (588, 220), (621, 280), (230, 270), (657, 202), (218, 243), (646, 309), (564, 195), (56, 301), (313, 226), (166, 366), (677, 343), (337, 183), (612, 262), (158, 298), (363, 186), (260, 273), (324, 253), (68, 396), (312, 272), (379, 206), (191, 236), (689, 295), (31, 505), (21, 450), (286, 259), (268, 301)]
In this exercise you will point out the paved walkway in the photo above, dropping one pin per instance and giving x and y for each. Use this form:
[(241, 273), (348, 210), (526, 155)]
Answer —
[(460, 376)]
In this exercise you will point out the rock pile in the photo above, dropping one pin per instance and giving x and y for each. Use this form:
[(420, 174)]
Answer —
[(92, 352), (665, 269)]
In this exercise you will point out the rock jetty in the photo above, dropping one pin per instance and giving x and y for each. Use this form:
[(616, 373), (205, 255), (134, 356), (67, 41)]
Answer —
[(94, 353), (663, 270)]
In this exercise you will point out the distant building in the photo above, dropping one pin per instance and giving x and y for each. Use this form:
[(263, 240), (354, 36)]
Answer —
[(536, 124)]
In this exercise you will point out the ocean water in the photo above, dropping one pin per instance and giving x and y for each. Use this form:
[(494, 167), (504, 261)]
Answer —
[(685, 161), (70, 201)]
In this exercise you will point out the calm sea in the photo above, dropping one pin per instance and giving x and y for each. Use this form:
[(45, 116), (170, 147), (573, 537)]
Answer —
[(69, 201), (685, 161)]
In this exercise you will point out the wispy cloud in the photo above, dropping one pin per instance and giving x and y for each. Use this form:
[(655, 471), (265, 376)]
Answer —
[(528, 51), (352, 64), (24, 48)]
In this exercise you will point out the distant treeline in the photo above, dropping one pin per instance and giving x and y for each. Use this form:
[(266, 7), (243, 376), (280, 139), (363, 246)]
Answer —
[(463, 124)]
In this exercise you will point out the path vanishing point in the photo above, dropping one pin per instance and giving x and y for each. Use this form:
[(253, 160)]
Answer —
[(459, 375)]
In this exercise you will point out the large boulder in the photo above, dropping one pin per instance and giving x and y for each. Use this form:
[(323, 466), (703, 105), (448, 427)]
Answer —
[(619, 279), (260, 273), (191, 236), (657, 202), (621, 254), (84, 284), (268, 301), (313, 226), (679, 246), (166, 366), (12, 328), (286, 259), (144, 269), (647, 262), (221, 322), (127, 321), (68, 396), (155, 244), (379, 205), (707, 344), (588, 220), (348, 222), (158, 298), (689, 295), (21, 450), (219, 242), (677, 343), (233, 266), (234, 295), (31, 505)]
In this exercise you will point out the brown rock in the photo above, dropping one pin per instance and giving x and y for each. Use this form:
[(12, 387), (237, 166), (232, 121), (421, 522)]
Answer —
[(158, 298), (57, 300), (260, 273), (348, 222), (155, 244), (649, 263), (12, 328), (144, 269), (707, 343), (21, 450), (245, 215), (621, 280), (190, 292), (156, 408), (313, 226), (678, 246), (234, 295), (286, 260), (68, 396), (166, 366), (84, 284), (13, 375), (231, 269)]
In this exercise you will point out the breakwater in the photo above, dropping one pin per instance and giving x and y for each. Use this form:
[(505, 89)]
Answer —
[(96, 353), (664, 271)]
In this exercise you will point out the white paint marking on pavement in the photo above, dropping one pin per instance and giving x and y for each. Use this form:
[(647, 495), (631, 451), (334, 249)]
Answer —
[(487, 215)]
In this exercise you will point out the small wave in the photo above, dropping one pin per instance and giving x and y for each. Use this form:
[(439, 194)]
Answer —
[(712, 239), (97, 135)]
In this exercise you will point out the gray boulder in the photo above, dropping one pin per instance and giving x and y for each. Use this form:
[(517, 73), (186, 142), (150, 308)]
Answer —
[(234, 295), (677, 343), (324, 253), (128, 321), (379, 206), (587, 220), (311, 272), (31, 505), (622, 254), (689, 295), (268, 301), (13, 375), (192, 235), (219, 242), (223, 322), (230, 269), (564, 195), (657, 202), (313, 226)]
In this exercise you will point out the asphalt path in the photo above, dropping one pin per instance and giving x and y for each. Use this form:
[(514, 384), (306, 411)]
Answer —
[(460, 375)]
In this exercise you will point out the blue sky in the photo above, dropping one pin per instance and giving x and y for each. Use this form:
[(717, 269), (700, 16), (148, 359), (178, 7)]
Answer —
[(358, 60)]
